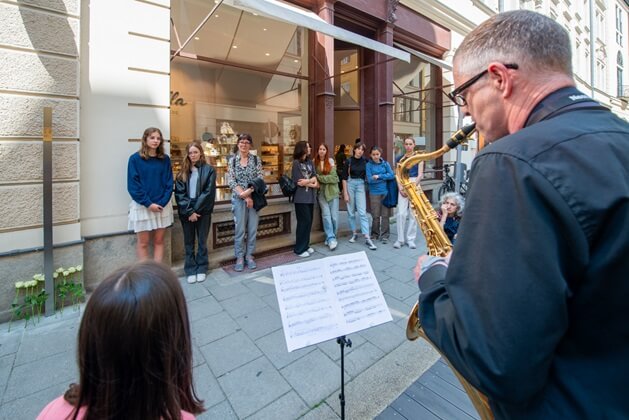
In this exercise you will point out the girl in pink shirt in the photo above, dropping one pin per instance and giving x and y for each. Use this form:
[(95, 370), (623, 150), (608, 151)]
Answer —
[(135, 353)]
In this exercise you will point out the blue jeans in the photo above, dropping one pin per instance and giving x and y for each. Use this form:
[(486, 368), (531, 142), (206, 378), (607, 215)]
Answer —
[(330, 216), (357, 204), (245, 219)]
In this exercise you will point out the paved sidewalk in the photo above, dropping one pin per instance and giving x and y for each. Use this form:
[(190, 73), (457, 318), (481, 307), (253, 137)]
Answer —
[(241, 366)]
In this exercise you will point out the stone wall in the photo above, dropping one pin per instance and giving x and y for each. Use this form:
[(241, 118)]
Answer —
[(39, 52)]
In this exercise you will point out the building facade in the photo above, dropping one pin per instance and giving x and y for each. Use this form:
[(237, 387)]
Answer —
[(206, 70)]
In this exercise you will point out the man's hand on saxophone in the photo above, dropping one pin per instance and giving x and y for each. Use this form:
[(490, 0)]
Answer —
[(424, 262)]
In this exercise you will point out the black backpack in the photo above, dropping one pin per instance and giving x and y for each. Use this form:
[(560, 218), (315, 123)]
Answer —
[(288, 186)]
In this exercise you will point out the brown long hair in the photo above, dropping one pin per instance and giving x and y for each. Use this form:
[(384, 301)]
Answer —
[(135, 352), (144, 149), (326, 159), (186, 165)]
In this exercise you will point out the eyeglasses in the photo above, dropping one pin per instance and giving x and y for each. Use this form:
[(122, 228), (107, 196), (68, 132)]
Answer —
[(458, 99)]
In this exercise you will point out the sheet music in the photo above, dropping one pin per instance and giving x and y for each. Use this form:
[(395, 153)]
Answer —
[(327, 298)]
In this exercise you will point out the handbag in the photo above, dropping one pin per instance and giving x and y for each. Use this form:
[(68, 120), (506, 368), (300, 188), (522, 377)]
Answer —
[(288, 186)]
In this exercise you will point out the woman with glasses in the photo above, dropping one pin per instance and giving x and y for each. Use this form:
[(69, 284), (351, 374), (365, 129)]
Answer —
[(242, 170), (304, 175)]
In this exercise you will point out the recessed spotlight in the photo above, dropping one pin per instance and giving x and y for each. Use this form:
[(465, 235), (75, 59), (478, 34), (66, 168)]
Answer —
[(295, 61), (196, 38), (216, 16), (267, 54), (342, 71), (234, 46), (355, 67), (255, 14), (264, 29)]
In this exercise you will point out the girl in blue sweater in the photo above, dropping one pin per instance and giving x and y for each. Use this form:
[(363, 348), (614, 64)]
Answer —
[(378, 173), (150, 185)]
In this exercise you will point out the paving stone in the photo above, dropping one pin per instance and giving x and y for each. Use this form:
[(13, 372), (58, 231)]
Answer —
[(28, 407), (361, 358), (321, 412), (243, 304), (399, 309), (193, 291), (253, 386), (197, 356), (313, 388), (6, 364), (230, 352), (402, 274), (386, 336), (227, 290), (289, 406), (206, 386), (261, 285), (222, 411), (10, 341), (260, 323), (41, 374), (271, 300), (213, 327), (333, 350), (203, 307), (397, 289), (40, 343), (274, 347)]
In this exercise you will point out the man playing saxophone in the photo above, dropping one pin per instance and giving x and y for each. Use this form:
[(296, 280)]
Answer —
[(532, 307)]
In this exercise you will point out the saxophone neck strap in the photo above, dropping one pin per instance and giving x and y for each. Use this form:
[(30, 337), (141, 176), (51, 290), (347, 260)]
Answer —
[(563, 100)]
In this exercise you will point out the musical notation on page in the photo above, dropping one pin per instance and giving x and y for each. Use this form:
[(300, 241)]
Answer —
[(327, 298)]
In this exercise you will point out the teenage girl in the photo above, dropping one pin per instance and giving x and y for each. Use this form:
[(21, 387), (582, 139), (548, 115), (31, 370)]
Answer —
[(134, 353), (150, 184), (328, 195), (195, 192)]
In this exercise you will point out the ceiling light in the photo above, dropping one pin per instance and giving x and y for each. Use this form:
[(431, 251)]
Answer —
[(234, 46), (196, 38), (215, 15), (342, 71), (267, 54), (264, 29), (255, 14), (296, 61)]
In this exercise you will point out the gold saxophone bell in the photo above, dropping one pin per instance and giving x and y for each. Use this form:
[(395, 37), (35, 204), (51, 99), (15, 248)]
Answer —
[(438, 245)]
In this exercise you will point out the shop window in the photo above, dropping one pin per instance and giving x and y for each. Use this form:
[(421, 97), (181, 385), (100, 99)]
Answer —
[(241, 73), (414, 105), (347, 83)]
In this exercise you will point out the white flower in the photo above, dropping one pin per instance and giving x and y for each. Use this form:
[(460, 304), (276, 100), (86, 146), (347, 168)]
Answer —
[(72, 270), (31, 283), (39, 277), (19, 284), (55, 275), (66, 273), (79, 268)]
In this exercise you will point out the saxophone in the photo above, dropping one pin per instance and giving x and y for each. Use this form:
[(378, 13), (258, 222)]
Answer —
[(438, 245)]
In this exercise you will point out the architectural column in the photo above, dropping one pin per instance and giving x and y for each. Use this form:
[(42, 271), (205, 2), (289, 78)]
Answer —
[(322, 88), (384, 72)]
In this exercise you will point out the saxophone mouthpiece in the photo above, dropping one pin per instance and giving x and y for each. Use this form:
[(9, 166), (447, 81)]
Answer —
[(461, 135)]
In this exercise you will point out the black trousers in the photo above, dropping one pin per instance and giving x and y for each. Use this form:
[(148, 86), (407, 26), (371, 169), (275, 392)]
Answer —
[(303, 213), (196, 262)]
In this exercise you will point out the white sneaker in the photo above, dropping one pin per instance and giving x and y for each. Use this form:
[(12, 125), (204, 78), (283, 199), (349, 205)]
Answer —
[(398, 244), (353, 238), (304, 254), (200, 277), (333, 244), (310, 251), (412, 245), (191, 279), (370, 244)]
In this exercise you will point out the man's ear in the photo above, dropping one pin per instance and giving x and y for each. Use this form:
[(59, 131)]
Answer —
[(500, 77)]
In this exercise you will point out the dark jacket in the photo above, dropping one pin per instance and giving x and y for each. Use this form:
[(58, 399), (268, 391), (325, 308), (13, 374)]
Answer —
[(206, 193), (258, 195), (533, 308)]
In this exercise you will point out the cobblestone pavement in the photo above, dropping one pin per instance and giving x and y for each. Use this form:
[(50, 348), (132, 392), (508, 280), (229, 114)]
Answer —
[(241, 366)]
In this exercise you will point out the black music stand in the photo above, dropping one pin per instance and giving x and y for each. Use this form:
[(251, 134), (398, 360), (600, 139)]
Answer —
[(343, 342)]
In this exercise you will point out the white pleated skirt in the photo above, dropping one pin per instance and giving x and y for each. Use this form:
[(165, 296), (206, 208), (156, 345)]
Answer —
[(141, 219)]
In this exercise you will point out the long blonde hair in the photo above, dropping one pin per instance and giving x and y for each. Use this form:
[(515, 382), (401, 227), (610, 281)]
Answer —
[(186, 165)]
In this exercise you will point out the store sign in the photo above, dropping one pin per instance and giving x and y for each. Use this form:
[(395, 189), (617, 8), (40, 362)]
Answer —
[(176, 100)]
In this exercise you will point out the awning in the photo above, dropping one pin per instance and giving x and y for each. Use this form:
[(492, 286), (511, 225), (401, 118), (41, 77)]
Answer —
[(300, 17), (425, 57)]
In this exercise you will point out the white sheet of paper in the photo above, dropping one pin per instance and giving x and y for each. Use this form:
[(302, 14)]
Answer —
[(327, 298)]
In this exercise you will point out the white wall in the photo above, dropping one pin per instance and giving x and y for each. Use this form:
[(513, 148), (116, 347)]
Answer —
[(125, 86)]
